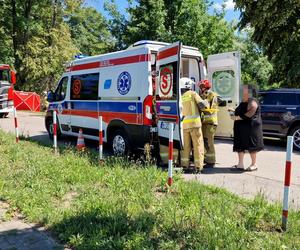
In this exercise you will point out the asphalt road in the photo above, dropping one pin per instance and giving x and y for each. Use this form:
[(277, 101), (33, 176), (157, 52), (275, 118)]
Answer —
[(267, 181)]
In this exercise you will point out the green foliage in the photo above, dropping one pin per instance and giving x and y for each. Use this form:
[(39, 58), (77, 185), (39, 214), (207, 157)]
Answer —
[(256, 69), (146, 21), (89, 30), (277, 30), (39, 37), (170, 21), (43, 63), (122, 205)]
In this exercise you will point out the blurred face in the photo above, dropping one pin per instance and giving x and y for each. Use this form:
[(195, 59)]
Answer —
[(245, 93), (203, 90)]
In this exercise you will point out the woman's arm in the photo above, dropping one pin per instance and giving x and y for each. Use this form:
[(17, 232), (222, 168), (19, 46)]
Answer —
[(251, 109)]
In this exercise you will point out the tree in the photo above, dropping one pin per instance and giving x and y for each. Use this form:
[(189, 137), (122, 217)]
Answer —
[(195, 27), (89, 30), (277, 30), (42, 62), (33, 27), (256, 68), (146, 21), (169, 21)]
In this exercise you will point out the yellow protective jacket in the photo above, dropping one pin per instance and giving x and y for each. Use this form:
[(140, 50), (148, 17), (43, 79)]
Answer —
[(191, 112), (210, 115)]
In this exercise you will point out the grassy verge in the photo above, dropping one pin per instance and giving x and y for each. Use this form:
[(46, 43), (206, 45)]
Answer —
[(119, 205)]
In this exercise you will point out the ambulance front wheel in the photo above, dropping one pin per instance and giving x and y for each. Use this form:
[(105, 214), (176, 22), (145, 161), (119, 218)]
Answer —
[(49, 127), (120, 143)]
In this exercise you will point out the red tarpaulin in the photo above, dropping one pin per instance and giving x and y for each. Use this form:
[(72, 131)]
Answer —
[(27, 101)]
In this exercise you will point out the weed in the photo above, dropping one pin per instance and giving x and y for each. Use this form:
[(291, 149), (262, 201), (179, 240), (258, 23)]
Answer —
[(123, 204)]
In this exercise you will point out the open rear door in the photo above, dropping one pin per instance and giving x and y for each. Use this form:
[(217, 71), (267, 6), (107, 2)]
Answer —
[(168, 94), (224, 72)]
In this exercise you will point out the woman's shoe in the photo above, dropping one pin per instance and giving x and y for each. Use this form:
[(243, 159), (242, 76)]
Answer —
[(237, 168), (251, 168)]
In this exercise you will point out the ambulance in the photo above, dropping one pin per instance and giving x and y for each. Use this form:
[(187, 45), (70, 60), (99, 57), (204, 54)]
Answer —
[(7, 81), (136, 91)]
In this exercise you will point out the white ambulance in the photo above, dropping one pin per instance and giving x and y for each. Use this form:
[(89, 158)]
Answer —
[(136, 91)]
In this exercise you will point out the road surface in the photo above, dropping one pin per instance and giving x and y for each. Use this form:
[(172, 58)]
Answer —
[(268, 180)]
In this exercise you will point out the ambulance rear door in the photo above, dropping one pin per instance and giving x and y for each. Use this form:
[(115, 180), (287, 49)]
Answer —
[(224, 72), (168, 94)]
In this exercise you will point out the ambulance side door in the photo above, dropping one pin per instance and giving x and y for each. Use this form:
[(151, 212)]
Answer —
[(62, 102), (224, 72), (168, 95)]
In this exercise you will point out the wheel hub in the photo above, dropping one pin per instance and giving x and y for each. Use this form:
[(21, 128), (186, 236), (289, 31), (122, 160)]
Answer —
[(296, 136), (119, 146), (51, 128)]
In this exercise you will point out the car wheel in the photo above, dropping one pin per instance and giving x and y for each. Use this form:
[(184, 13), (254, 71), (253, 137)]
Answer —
[(3, 115), (120, 143), (49, 127), (296, 134)]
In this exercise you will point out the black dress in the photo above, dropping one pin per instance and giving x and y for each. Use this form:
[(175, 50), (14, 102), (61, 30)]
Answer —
[(248, 131)]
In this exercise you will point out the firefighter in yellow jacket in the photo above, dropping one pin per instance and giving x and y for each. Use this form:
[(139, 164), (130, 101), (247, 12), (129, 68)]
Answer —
[(192, 104), (209, 122)]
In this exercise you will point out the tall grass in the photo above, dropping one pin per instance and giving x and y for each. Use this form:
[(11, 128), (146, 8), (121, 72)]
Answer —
[(124, 205)]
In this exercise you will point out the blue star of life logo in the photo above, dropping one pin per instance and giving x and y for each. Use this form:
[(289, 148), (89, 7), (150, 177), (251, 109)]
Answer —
[(124, 83)]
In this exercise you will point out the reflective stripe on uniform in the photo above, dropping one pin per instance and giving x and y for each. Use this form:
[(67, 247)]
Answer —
[(187, 98), (185, 159), (192, 120)]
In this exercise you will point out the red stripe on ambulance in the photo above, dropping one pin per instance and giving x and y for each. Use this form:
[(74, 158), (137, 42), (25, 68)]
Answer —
[(107, 116), (168, 53), (112, 62)]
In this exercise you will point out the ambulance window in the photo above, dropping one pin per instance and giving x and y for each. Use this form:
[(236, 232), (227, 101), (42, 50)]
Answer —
[(85, 87), (224, 83), (190, 69), (167, 85), (61, 90)]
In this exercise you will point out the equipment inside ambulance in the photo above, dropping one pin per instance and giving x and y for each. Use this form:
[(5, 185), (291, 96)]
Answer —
[(7, 81), (136, 91)]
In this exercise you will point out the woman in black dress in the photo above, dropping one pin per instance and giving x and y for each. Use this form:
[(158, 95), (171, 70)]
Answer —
[(247, 130)]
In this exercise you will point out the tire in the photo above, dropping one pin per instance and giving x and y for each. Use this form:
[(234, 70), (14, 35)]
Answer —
[(49, 127), (295, 132), (3, 115), (120, 144)]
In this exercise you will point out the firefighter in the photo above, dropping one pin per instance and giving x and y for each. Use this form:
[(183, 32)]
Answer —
[(192, 104), (209, 122)]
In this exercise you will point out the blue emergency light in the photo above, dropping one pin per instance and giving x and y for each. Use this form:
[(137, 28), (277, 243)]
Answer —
[(80, 56)]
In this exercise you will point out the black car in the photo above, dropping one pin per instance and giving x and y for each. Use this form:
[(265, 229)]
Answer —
[(280, 110)]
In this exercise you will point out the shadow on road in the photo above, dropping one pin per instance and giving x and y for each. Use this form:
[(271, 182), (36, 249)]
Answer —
[(270, 144)]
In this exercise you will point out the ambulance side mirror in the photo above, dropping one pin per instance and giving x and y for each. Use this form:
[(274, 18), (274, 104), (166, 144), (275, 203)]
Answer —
[(13, 78), (50, 96)]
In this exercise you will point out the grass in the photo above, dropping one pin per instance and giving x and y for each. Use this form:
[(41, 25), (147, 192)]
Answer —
[(121, 204)]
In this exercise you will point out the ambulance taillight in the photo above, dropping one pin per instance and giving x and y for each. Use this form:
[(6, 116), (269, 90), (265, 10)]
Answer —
[(147, 110)]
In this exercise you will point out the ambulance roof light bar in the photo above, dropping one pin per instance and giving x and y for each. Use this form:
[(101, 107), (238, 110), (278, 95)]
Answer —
[(145, 42), (80, 56)]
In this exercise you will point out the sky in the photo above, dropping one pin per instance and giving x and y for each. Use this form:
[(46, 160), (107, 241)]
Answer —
[(231, 14)]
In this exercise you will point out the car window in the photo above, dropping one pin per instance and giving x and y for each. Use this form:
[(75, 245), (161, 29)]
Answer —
[(278, 99), (85, 86), (61, 90)]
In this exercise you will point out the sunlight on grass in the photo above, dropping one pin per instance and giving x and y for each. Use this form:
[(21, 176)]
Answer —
[(123, 204)]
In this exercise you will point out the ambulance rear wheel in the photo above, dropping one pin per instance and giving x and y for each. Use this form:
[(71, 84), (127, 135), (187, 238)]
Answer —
[(120, 143)]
